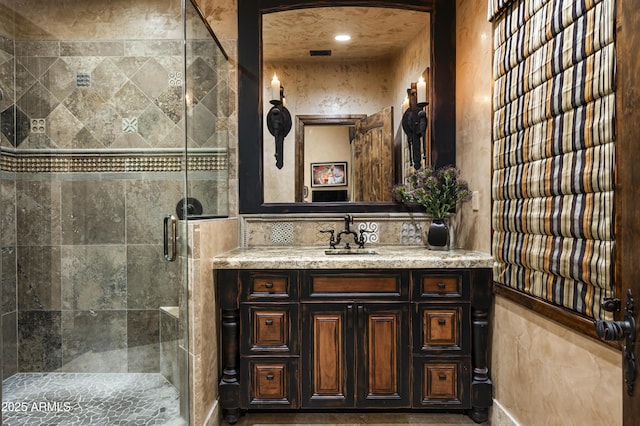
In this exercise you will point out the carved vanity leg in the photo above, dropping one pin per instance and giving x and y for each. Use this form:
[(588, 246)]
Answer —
[(481, 385), (230, 382)]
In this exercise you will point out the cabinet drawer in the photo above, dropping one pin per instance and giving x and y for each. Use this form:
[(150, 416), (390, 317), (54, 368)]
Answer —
[(389, 285), (430, 285), (269, 328), (271, 383), (441, 328), (441, 382), (268, 285)]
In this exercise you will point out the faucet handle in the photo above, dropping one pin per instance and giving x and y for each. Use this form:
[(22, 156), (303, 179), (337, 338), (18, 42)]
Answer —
[(362, 240)]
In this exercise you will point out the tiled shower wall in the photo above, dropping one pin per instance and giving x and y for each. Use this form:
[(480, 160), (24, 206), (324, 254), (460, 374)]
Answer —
[(92, 135)]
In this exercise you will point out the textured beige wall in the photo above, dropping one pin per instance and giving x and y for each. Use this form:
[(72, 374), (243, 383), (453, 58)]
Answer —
[(543, 373), (473, 121), (546, 374)]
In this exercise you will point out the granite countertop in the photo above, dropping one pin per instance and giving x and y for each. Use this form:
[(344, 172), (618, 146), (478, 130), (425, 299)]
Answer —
[(386, 257)]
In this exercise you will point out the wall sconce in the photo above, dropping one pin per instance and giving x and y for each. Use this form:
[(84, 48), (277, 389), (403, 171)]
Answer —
[(278, 119), (414, 121)]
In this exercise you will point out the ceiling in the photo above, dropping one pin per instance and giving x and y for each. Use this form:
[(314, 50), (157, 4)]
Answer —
[(375, 32)]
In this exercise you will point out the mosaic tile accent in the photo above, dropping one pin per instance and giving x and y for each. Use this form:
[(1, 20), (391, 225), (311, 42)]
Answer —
[(411, 233), (175, 79), (38, 125), (130, 125), (116, 163), (371, 236), (83, 79), (282, 233), (83, 399)]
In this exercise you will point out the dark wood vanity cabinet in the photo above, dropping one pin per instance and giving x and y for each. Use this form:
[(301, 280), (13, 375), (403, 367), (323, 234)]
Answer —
[(354, 339)]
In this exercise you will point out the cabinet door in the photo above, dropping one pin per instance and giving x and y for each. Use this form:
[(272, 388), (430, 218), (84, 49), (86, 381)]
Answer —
[(327, 355), (382, 355)]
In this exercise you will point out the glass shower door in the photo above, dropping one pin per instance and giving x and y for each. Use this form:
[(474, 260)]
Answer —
[(95, 152)]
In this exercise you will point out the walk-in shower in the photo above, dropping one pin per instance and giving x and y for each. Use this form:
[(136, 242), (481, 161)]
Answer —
[(112, 112)]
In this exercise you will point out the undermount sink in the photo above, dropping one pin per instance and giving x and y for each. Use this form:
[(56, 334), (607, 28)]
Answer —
[(345, 251)]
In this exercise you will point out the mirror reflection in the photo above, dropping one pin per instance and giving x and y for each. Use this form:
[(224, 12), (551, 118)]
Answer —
[(345, 99)]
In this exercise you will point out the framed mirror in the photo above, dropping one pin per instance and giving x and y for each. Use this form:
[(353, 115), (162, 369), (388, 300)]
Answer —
[(261, 191)]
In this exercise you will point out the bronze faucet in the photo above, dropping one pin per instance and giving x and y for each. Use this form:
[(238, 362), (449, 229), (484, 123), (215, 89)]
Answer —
[(359, 240)]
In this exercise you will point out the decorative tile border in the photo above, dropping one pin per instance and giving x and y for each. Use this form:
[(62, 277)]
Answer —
[(111, 162)]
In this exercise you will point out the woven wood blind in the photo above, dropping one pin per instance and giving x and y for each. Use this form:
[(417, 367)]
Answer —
[(553, 150)]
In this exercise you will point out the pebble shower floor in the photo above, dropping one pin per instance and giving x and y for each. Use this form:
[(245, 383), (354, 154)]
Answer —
[(38, 399)]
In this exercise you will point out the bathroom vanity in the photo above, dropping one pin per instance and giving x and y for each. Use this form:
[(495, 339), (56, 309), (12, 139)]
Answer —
[(402, 329)]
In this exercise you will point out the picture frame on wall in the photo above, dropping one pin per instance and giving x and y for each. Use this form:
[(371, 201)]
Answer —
[(329, 174)]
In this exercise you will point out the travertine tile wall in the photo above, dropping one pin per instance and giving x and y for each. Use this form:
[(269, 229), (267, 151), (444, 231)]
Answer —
[(90, 272)]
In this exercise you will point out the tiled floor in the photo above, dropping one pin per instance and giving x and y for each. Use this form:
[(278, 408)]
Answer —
[(34, 399), (349, 419)]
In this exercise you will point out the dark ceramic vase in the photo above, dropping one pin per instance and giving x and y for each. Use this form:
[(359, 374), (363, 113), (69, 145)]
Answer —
[(438, 234)]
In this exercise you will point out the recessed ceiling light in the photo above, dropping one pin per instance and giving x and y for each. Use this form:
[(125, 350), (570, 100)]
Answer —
[(343, 37)]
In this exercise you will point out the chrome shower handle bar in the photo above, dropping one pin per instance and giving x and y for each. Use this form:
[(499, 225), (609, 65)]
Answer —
[(170, 221)]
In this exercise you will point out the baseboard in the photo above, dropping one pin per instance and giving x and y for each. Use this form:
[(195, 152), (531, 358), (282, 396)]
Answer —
[(501, 417), (213, 417)]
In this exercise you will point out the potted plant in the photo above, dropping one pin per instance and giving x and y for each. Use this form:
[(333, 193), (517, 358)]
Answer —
[(438, 192)]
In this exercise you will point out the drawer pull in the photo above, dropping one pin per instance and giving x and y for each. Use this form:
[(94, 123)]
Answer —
[(268, 322), (269, 376), (268, 285), (442, 285), (442, 377), (442, 322)]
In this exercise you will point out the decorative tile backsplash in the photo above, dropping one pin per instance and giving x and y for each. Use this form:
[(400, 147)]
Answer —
[(305, 229)]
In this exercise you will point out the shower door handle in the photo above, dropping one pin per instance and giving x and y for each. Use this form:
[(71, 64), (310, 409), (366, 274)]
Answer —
[(170, 237)]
